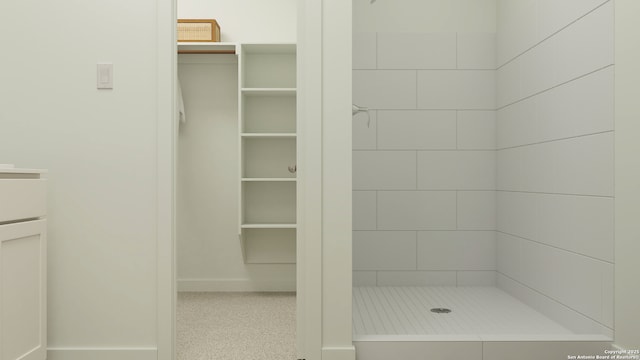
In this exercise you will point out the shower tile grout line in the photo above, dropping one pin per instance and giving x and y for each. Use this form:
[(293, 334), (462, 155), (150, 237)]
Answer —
[(424, 69), (556, 140), (550, 36), (433, 109), (412, 230), (485, 190), (553, 299), (498, 108), (556, 247), (549, 193), (424, 150)]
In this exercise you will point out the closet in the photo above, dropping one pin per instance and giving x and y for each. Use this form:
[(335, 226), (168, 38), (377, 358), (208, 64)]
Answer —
[(236, 199), (265, 162)]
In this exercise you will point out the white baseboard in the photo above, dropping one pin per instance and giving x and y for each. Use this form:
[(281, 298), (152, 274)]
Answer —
[(102, 353), (201, 285), (339, 353)]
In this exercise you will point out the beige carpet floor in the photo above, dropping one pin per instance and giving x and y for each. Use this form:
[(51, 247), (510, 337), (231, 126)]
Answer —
[(236, 326)]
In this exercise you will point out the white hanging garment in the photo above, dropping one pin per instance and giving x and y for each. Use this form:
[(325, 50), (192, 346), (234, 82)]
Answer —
[(182, 115)]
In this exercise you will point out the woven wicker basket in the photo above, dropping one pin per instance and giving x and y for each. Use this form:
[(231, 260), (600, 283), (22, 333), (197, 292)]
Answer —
[(198, 30)]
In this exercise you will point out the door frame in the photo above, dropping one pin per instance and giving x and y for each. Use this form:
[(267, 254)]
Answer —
[(166, 136), (309, 182), (324, 188)]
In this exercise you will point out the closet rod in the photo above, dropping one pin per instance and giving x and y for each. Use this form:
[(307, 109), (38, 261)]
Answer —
[(229, 52)]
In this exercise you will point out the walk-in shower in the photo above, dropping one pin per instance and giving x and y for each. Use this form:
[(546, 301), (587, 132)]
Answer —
[(483, 186)]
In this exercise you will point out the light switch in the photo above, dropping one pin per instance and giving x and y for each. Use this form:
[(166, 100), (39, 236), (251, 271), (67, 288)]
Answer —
[(105, 76)]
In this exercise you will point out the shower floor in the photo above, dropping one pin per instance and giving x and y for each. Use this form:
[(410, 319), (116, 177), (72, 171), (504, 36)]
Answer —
[(477, 314)]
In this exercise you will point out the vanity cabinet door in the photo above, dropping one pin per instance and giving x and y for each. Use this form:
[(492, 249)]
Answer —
[(23, 291)]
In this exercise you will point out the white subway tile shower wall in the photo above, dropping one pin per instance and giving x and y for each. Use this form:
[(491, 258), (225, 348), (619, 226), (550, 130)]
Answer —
[(555, 165), (424, 162), (539, 169)]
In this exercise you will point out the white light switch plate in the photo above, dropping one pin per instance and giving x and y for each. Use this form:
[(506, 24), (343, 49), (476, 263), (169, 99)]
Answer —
[(105, 76)]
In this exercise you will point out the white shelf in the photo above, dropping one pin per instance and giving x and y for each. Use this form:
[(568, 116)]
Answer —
[(206, 48), (271, 48), (12, 170), (269, 91), (269, 135), (269, 179), (269, 226)]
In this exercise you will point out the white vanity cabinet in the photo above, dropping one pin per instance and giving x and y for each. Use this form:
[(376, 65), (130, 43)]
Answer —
[(23, 266)]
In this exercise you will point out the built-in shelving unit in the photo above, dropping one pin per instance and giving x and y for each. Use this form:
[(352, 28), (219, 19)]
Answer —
[(267, 111)]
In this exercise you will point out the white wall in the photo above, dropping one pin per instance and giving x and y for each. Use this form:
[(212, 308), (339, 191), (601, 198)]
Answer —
[(424, 170), (555, 159), (100, 149), (246, 20), (209, 255), (627, 175)]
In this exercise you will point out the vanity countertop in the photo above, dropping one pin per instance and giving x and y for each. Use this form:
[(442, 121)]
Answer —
[(10, 169)]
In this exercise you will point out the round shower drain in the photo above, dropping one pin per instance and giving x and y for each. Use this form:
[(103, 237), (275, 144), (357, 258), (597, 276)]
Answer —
[(440, 310)]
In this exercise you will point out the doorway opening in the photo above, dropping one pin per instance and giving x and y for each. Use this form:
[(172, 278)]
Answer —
[(236, 188)]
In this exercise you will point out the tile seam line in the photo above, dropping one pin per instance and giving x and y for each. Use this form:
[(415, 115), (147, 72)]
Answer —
[(554, 140), (556, 247), (554, 300), (474, 231), (434, 150), (559, 194), (552, 35), (555, 86), (424, 69), (431, 109), (423, 270), (427, 190), (441, 271)]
